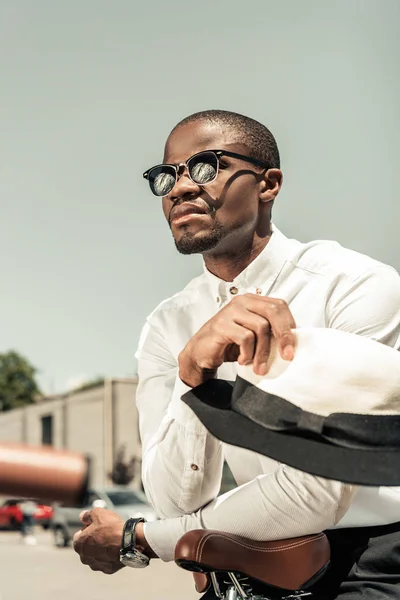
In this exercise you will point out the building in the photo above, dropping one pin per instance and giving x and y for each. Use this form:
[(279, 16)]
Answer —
[(99, 421)]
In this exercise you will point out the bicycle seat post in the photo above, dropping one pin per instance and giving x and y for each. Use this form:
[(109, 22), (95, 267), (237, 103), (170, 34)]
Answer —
[(240, 591), (231, 594), (215, 584)]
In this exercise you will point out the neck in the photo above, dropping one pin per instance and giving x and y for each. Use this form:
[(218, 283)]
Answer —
[(229, 264)]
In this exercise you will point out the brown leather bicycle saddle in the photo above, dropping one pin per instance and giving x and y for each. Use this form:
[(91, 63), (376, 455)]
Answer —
[(290, 564)]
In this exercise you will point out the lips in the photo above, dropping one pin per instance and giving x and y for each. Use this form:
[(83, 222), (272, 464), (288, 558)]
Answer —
[(187, 208)]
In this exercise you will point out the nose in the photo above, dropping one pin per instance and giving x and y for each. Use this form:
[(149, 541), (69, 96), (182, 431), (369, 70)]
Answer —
[(184, 186)]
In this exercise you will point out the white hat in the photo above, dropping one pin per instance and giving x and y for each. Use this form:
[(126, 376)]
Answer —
[(333, 411)]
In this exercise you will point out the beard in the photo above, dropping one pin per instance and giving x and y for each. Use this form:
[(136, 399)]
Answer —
[(188, 243)]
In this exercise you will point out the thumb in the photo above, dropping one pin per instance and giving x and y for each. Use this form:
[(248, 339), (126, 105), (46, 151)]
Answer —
[(85, 517)]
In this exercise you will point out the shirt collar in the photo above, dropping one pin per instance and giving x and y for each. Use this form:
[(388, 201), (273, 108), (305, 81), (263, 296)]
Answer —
[(259, 276)]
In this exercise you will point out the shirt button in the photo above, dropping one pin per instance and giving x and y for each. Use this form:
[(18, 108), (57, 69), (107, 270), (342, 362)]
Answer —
[(194, 467), (233, 290), (259, 291), (218, 299)]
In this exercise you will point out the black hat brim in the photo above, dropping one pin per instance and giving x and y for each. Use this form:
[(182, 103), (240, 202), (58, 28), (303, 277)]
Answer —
[(371, 467)]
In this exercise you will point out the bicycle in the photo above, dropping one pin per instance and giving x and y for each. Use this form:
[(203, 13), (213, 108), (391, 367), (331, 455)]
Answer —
[(232, 567)]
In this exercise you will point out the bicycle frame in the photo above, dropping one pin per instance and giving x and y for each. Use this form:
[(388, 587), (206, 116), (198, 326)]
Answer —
[(239, 589)]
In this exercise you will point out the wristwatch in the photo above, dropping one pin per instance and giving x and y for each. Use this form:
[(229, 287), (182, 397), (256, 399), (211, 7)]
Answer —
[(129, 555)]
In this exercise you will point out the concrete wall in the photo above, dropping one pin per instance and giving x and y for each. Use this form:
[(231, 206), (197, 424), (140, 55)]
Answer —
[(12, 425), (97, 422), (126, 423), (84, 428)]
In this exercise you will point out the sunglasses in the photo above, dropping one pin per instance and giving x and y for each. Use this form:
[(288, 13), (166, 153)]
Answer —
[(202, 169)]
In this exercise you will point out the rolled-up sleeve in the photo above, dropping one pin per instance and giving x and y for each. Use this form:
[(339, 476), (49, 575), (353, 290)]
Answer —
[(283, 504)]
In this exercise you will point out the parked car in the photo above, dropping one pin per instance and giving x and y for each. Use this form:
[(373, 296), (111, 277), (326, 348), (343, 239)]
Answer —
[(11, 514), (123, 501)]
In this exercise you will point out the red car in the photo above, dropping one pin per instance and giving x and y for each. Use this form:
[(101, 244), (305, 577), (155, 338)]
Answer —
[(11, 514)]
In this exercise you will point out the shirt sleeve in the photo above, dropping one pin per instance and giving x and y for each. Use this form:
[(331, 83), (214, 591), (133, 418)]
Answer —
[(181, 462), (283, 504), (287, 502), (368, 305)]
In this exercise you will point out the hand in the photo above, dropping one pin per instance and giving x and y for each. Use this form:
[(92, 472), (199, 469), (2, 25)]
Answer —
[(240, 331), (99, 541)]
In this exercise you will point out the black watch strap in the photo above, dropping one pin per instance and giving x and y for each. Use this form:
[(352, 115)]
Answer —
[(129, 534)]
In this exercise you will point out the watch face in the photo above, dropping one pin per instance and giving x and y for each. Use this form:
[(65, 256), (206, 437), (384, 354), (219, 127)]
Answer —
[(135, 559)]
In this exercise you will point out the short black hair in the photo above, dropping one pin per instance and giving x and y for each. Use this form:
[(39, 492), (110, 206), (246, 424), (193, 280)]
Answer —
[(258, 139)]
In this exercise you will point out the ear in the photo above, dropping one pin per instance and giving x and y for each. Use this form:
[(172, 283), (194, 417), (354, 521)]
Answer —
[(270, 185)]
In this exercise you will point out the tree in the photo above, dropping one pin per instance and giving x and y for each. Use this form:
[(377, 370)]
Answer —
[(18, 386), (123, 471)]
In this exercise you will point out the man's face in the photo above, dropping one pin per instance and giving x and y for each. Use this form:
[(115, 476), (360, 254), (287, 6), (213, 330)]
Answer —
[(227, 208)]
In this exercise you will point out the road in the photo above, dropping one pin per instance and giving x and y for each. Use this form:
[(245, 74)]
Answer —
[(44, 572)]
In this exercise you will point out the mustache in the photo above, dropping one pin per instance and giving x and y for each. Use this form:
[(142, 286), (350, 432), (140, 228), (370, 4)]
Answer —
[(207, 208)]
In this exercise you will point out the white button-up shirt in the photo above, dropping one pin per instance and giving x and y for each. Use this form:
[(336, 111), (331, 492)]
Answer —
[(325, 285)]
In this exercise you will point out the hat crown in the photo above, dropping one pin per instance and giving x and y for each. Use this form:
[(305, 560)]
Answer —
[(333, 371)]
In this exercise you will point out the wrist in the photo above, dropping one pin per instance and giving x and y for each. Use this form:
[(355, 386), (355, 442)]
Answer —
[(141, 542), (191, 374), (195, 376)]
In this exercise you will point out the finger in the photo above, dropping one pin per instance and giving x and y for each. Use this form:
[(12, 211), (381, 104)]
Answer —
[(76, 535), (94, 564), (76, 541), (95, 558), (243, 337), (110, 569), (86, 517), (262, 335), (282, 323), (281, 320), (107, 570), (263, 348), (104, 567)]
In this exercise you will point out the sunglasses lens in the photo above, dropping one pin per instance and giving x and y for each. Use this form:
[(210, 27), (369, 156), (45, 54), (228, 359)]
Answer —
[(203, 168), (162, 180)]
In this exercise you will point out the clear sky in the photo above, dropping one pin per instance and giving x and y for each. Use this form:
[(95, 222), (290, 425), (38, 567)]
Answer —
[(89, 90)]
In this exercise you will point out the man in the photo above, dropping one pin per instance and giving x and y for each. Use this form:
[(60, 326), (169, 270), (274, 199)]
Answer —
[(220, 177), (28, 509)]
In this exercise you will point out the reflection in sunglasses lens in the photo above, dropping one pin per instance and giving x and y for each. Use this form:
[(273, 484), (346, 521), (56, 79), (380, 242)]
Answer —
[(203, 172), (163, 183)]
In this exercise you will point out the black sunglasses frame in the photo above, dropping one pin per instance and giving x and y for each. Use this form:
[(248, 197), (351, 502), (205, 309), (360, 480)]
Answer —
[(218, 154)]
